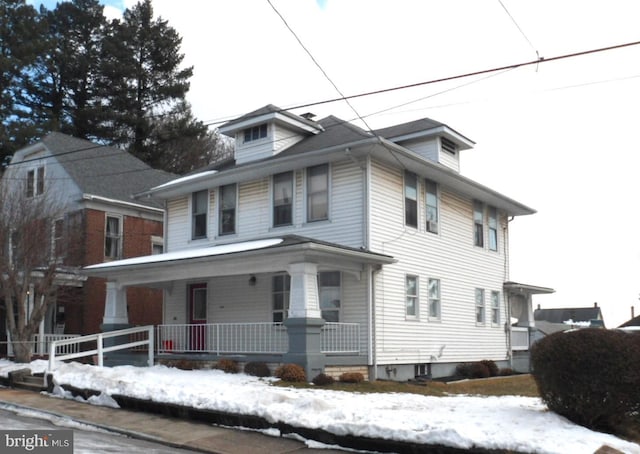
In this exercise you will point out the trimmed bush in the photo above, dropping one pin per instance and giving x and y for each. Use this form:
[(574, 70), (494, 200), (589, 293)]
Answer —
[(590, 376), (492, 367), (291, 372), (323, 380), (505, 371), (227, 365), (351, 377), (257, 369), (473, 370)]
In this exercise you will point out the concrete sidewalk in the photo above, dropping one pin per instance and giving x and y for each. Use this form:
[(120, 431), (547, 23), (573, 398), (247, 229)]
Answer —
[(161, 429)]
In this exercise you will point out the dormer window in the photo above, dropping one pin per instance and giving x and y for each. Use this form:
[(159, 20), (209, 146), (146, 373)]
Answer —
[(255, 133)]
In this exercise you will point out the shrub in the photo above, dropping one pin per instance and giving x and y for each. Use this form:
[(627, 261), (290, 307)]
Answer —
[(473, 370), (351, 377), (590, 376), (491, 366), (505, 371), (257, 369), (323, 380), (291, 372), (228, 365)]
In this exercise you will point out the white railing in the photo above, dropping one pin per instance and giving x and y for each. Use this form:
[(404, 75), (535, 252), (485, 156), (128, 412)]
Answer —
[(40, 345), (519, 338), (249, 338), (134, 337), (222, 338), (340, 338)]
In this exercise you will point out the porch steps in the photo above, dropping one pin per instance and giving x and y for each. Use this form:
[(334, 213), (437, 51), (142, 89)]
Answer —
[(24, 380)]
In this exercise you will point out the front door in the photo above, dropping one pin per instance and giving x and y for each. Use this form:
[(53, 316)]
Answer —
[(197, 316)]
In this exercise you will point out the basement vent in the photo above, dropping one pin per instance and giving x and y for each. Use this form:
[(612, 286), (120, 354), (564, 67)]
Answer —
[(448, 145)]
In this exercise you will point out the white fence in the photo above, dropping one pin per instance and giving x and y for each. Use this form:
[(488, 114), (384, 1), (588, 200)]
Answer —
[(94, 344), (40, 344), (519, 338), (250, 338)]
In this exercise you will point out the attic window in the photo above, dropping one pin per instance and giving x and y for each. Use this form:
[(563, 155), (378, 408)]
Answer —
[(255, 133), (448, 145)]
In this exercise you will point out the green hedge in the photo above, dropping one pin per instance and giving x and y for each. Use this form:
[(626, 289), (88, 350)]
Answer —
[(590, 376)]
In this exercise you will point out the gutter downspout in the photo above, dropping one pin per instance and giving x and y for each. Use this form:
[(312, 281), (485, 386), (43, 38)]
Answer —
[(506, 278)]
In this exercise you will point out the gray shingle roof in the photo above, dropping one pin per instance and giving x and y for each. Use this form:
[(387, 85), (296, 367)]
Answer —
[(104, 171)]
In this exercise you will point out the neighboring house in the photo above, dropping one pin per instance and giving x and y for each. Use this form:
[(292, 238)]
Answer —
[(549, 321), (101, 222), (335, 248)]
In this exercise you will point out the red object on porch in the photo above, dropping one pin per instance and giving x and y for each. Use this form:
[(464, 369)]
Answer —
[(168, 345)]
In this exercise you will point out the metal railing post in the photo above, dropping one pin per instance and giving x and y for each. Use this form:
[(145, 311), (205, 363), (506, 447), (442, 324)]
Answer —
[(100, 358), (151, 345)]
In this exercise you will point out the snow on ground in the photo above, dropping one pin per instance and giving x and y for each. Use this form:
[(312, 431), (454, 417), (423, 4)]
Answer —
[(510, 422)]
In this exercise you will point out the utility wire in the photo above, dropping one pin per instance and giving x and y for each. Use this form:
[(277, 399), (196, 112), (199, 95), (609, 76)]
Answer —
[(519, 28), (537, 61), (324, 73)]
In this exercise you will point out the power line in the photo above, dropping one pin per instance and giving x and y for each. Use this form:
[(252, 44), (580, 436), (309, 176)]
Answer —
[(537, 61), (519, 28)]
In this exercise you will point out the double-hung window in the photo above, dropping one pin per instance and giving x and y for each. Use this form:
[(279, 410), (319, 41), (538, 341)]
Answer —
[(411, 290), (478, 224), (35, 182), (280, 287), (113, 237), (199, 206), (493, 228), (318, 193), (431, 190), (410, 199), (480, 306), (283, 199), (495, 308), (329, 292), (434, 298), (227, 209), (58, 248)]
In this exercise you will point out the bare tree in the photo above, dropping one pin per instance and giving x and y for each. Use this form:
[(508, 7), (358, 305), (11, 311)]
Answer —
[(30, 259)]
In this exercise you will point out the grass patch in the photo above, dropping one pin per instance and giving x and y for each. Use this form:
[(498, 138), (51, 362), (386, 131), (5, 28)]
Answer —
[(516, 385)]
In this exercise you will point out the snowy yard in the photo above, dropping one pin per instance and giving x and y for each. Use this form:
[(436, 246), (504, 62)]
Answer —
[(509, 422)]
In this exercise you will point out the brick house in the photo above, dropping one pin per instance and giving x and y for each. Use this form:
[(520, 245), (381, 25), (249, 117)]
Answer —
[(99, 220)]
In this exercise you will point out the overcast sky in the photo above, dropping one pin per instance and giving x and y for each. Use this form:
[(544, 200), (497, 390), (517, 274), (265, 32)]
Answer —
[(560, 137)]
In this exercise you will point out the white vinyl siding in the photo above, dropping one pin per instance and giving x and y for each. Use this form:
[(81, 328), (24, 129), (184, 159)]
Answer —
[(450, 257)]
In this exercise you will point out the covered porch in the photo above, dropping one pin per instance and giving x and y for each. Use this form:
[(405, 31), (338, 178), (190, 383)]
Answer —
[(289, 299)]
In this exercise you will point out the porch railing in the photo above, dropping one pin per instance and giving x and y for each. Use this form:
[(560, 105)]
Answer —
[(519, 338), (40, 344), (249, 338)]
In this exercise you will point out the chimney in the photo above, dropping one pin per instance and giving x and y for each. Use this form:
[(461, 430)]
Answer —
[(308, 116), (595, 304), (632, 312), (538, 306)]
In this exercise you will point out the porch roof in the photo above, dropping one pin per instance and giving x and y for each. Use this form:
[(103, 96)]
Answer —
[(246, 257)]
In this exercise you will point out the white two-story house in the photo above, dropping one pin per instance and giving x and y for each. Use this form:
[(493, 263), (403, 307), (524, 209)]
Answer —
[(336, 248)]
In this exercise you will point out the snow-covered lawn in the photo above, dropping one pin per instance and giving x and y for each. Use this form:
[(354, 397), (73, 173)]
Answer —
[(510, 422)]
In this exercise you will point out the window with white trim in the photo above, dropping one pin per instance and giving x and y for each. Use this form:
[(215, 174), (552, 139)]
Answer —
[(433, 288), (113, 237), (157, 245), (410, 199), (479, 306), (283, 199), (495, 308), (35, 182), (411, 291), (431, 201), (255, 133), (330, 295), (318, 193), (280, 288), (478, 224), (199, 210), (493, 228), (227, 209)]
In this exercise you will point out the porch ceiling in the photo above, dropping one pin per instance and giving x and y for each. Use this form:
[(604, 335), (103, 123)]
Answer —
[(250, 257)]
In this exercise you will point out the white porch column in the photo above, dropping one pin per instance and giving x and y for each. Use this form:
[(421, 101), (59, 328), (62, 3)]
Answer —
[(115, 307), (303, 295)]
